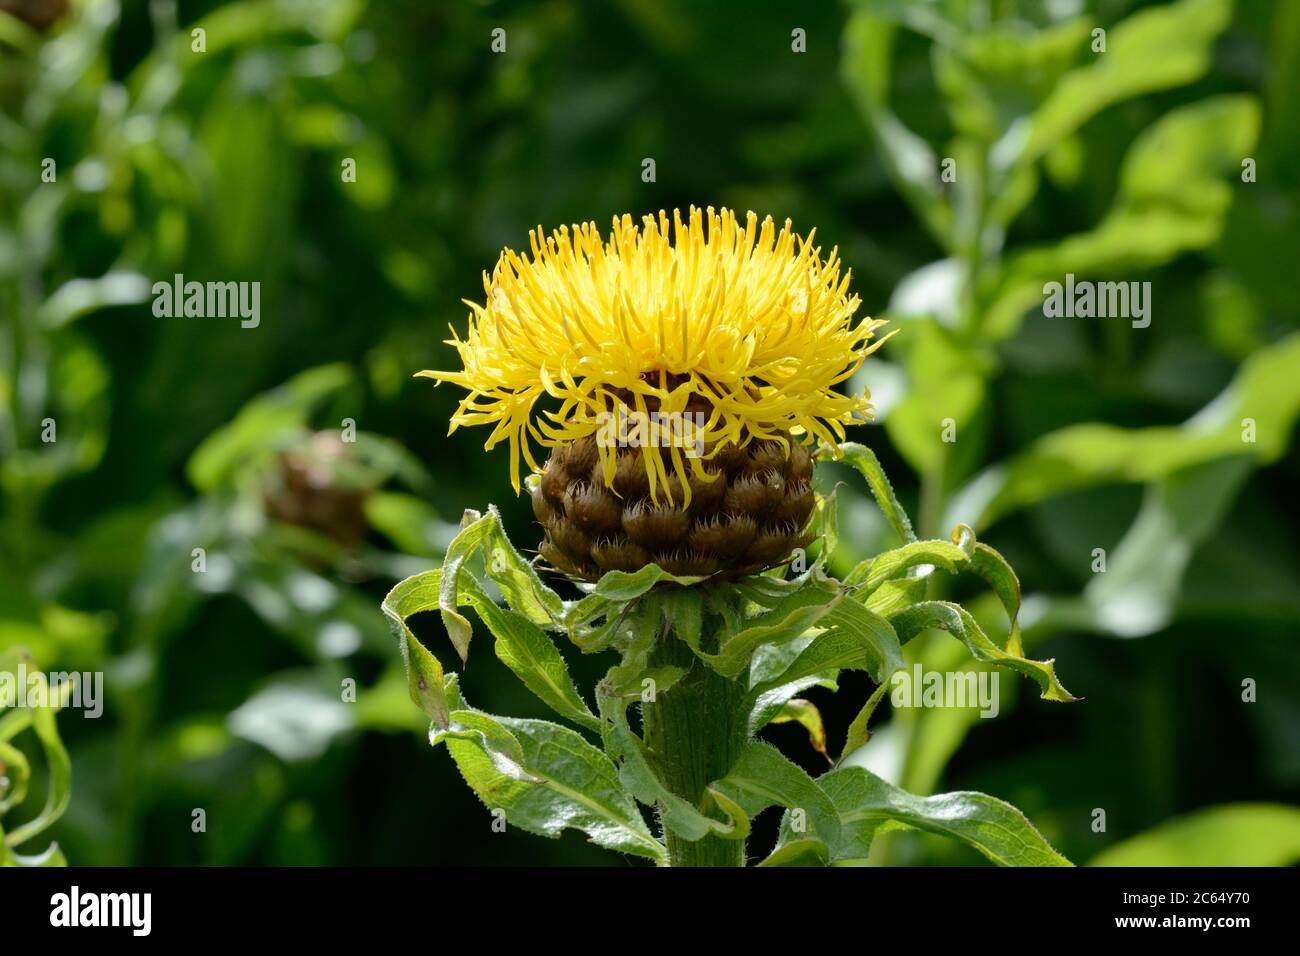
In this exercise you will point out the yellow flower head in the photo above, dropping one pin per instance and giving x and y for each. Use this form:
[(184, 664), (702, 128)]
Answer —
[(744, 321)]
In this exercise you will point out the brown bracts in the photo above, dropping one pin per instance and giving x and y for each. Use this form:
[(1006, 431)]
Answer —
[(752, 514)]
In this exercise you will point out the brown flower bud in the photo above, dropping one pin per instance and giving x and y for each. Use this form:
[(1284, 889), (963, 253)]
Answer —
[(749, 517)]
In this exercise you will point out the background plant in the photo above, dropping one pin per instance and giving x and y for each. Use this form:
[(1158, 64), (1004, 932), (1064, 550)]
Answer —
[(227, 166), (16, 769)]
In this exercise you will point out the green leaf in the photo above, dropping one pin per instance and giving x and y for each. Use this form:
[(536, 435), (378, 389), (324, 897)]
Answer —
[(868, 53), (1154, 219), (385, 705), (520, 644), (1154, 49), (597, 626), (805, 713), (868, 465), (859, 732), (623, 586), (825, 528), (547, 778), (1185, 156), (865, 804), (608, 603), (853, 638), (518, 581), (807, 851), (959, 622), (44, 723), (1172, 197), (761, 591), (52, 856), (895, 563), (762, 777), (1232, 834), (79, 297), (683, 610), (626, 680), (892, 596), (424, 675), (989, 565), (791, 617), (768, 704), (18, 769), (1140, 588), (516, 577), (531, 654), (1266, 391), (947, 382), (1000, 66)]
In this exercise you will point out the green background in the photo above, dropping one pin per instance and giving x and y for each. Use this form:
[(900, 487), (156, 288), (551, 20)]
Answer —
[(1073, 434)]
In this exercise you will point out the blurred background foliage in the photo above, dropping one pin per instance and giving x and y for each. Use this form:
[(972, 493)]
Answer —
[(228, 668)]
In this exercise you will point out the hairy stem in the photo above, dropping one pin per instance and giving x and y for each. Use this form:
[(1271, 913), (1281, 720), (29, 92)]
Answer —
[(694, 731)]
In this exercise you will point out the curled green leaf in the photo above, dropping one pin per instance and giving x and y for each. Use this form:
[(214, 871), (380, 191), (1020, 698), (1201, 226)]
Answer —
[(959, 622), (864, 803), (424, 674), (519, 643), (520, 585)]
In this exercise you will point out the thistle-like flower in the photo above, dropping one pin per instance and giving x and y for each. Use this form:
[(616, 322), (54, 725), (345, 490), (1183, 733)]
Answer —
[(677, 371)]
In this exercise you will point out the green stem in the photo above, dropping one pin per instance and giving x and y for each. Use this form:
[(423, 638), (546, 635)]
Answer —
[(694, 731)]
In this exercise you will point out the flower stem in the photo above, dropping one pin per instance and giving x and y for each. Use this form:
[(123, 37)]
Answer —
[(694, 731)]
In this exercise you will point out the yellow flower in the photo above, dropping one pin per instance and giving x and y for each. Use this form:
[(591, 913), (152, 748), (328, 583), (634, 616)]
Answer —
[(748, 321)]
